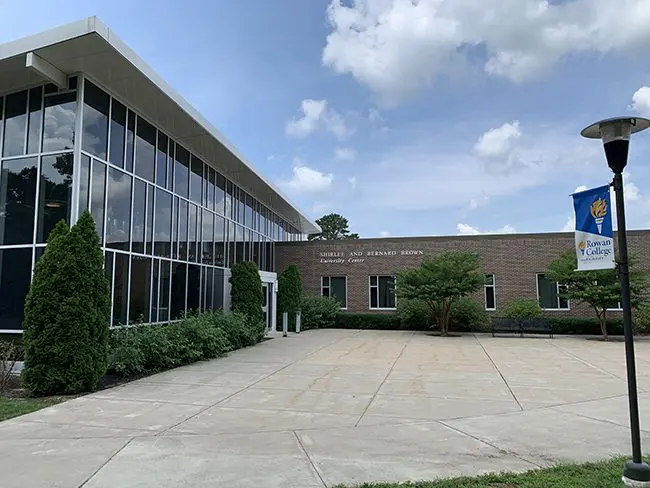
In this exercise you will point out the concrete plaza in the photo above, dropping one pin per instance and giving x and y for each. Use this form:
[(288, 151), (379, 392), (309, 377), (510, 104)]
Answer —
[(333, 406)]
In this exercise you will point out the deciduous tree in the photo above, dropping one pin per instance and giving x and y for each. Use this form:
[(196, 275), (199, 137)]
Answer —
[(440, 281), (334, 227)]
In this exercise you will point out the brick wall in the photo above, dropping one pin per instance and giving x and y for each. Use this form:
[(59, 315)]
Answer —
[(514, 259)]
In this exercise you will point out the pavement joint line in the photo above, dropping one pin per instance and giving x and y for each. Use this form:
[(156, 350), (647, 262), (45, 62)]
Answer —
[(584, 361), (106, 462), (494, 446), (254, 383), (499, 371), (150, 431), (406, 343), (311, 461), (610, 422)]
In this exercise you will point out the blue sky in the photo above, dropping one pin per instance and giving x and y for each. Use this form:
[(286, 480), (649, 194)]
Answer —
[(409, 117)]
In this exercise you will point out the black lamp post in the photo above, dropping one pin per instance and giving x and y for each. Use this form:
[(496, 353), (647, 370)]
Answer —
[(615, 134)]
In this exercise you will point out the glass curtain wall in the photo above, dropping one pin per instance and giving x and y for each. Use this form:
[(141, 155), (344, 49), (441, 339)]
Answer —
[(170, 223), (36, 160)]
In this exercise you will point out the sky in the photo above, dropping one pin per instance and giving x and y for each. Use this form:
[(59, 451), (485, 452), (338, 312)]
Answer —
[(408, 117)]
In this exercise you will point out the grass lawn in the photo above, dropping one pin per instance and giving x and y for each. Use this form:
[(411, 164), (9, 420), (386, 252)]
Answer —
[(606, 474), (13, 407)]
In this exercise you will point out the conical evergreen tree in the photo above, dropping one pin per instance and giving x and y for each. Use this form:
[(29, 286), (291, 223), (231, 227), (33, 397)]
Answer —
[(67, 313)]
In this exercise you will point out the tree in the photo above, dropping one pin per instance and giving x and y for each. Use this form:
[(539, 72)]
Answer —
[(246, 292), (600, 289), (440, 281), (67, 313), (334, 227), (289, 292)]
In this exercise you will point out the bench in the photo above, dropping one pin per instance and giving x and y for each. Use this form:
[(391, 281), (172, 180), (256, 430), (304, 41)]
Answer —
[(521, 326)]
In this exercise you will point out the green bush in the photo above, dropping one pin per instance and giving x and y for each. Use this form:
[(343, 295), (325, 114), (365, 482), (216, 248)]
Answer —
[(584, 326), (415, 314), (146, 349), (318, 312), (523, 308), (289, 293), (246, 291), (469, 316), (641, 318), (67, 314), (374, 321)]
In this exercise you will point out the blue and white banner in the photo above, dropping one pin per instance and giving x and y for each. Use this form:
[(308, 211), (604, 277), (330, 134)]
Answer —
[(594, 232)]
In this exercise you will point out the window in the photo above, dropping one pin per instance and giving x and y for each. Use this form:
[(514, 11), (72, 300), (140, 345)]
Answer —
[(15, 276), (55, 194), (95, 120), (162, 231), (161, 159), (548, 294), (139, 209), (35, 118), (59, 125), (181, 171), (118, 129), (98, 198), (145, 150), (335, 287), (118, 211), (382, 292), (15, 124), (17, 201), (490, 292), (139, 305), (196, 180)]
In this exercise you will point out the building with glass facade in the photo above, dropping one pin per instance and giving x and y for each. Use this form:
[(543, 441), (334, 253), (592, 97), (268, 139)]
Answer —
[(85, 124)]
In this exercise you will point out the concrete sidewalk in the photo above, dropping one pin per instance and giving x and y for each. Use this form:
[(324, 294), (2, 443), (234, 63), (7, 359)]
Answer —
[(332, 406)]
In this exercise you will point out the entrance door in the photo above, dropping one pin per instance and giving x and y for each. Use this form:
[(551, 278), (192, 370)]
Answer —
[(266, 288)]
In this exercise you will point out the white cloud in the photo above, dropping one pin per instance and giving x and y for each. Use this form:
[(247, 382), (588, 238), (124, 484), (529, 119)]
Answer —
[(498, 142), (641, 100), (397, 47), (316, 115), (353, 182), (374, 115), (570, 225), (580, 188), (477, 202), (384, 233), (344, 154), (468, 230), (308, 180)]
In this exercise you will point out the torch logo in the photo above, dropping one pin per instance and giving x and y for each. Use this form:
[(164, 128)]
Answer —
[(598, 212)]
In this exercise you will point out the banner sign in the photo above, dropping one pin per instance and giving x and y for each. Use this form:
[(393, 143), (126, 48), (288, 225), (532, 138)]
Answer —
[(594, 237)]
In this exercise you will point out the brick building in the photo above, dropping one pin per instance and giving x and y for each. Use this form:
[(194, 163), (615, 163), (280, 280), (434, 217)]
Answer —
[(360, 273)]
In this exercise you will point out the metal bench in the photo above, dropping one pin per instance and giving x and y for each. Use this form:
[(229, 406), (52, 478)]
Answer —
[(521, 326)]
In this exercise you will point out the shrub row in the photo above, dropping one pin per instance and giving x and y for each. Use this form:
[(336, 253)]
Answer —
[(146, 349)]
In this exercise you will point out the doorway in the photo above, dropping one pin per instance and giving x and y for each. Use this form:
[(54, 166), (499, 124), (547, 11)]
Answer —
[(267, 290)]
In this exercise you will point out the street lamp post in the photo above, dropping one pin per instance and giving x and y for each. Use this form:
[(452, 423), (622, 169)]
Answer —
[(615, 134)]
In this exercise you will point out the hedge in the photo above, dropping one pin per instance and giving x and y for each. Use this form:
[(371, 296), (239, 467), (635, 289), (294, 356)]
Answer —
[(317, 312), (375, 321), (246, 292), (289, 294), (146, 349)]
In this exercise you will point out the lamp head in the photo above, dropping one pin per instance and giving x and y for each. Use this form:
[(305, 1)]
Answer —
[(615, 134)]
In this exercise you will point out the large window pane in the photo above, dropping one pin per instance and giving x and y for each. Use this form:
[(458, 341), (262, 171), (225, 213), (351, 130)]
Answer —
[(118, 133), (139, 206), (35, 119), (248, 209), (230, 242), (145, 152), (95, 120), (548, 294), (59, 125), (218, 288), (2, 122), (84, 182), (162, 234), (15, 124), (130, 137), (15, 277), (140, 289), (170, 166), (219, 238), (181, 171), (150, 220), (118, 209), (220, 193), (161, 159), (17, 199), (182, 230), (192, 233), (98, 198), (196, 180), (175, 212), (386, 292), (239, 244), (121, 288), (162, 284), (208, 288), (193, 287), (55, 194), (179, 280), (256, 250), (208, 237)]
